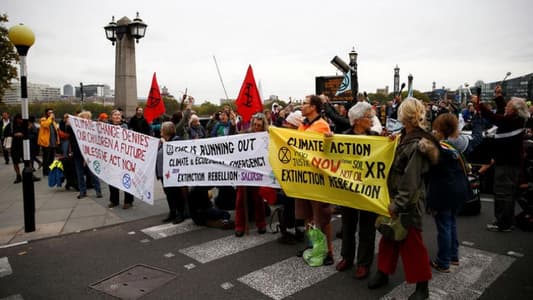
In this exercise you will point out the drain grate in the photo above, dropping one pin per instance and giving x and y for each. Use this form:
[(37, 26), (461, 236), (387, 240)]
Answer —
[(133, 282)]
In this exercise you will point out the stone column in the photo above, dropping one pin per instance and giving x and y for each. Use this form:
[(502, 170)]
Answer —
[(125, 72)]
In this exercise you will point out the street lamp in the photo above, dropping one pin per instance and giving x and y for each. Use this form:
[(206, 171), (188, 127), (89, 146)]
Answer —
[(353, 65), (123, 32), (23, 38)]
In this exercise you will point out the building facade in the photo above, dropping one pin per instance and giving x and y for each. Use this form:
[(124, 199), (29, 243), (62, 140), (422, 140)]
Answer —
[(515, 87), (36, 92)]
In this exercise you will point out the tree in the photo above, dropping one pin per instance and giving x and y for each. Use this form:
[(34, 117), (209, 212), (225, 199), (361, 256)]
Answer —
[(8, 58)]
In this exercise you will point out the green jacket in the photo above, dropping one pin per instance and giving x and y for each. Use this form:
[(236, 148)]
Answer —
[(415, 154)]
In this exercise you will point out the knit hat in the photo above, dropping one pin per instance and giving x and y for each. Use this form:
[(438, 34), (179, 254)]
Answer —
[(102, 117)]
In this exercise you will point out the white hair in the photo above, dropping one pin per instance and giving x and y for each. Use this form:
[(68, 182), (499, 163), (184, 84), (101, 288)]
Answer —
[(359, 111)]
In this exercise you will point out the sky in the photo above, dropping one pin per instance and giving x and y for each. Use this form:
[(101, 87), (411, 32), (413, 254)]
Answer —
[(288, 43)]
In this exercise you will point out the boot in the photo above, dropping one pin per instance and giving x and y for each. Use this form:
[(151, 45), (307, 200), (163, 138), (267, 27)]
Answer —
[(19, 179), (421, 292), (378, 280)]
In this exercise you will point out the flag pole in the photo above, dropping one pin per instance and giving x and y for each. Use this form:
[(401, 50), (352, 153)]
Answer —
[(220, 77)]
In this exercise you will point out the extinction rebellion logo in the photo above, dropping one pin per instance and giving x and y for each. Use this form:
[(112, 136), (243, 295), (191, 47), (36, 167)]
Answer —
[(97, 167), (284, 155), (126, 181)]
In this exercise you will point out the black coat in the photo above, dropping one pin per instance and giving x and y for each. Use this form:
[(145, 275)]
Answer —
[(448, 186)]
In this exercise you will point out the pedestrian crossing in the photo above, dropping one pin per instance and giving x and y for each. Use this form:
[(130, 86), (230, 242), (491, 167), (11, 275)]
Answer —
[(284, 279)]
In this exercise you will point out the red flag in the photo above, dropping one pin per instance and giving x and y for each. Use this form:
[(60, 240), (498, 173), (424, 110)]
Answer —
[(249, 101), (154, 105)]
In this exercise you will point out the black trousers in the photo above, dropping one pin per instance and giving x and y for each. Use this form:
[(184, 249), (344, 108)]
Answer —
[(352, 217), (506, 193), (114, 196), (49, 154), (175, 200)]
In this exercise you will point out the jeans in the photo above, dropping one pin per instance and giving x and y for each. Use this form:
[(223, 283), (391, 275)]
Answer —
[(80, 172), (446, 238)]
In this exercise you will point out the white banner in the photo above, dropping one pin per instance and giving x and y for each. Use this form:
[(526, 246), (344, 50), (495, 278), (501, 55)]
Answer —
[(240, 159), (122, 158)]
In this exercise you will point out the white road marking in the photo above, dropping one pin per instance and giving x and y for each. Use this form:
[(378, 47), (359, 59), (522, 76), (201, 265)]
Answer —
[(229, 245), (166, 230), (477, 270), (289, 276), (5, 267)]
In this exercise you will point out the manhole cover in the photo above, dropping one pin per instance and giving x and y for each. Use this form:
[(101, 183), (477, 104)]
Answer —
[(134, 282)]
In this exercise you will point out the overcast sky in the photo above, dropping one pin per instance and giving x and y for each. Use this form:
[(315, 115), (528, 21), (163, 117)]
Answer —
[(288, 43)]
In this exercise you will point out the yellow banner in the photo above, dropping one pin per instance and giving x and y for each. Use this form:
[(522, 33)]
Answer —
[(346, 170)]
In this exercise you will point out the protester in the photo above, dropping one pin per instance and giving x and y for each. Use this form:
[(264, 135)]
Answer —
[(64, 136), (360, 116), (80, 163), (138, 123), (33, 133), (196, 130), (3, 134), (292, 230), (416, 152), (48, 138), (116, 119), (447, 190), (318, 213), (249, 195), (16, 131), (507, 152), (226, 124), (175, 200)]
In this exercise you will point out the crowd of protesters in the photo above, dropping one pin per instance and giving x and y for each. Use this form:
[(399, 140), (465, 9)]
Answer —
[(427, 174)]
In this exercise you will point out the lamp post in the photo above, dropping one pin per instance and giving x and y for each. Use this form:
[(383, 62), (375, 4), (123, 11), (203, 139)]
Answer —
[(123, 32), (353, 66), (23, 38), (81, 95), (396, 80)]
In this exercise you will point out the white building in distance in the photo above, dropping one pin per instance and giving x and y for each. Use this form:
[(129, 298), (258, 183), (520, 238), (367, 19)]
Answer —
[(36, 92)]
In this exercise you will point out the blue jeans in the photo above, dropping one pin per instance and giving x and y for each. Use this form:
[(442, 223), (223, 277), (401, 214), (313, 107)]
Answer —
[(446, 238), (80, 172)]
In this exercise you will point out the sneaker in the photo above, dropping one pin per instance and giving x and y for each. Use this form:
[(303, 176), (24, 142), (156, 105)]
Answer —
[(261, 230), (495, 228), (435, 266), (81, 196), (19, 179), (239, 233)]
